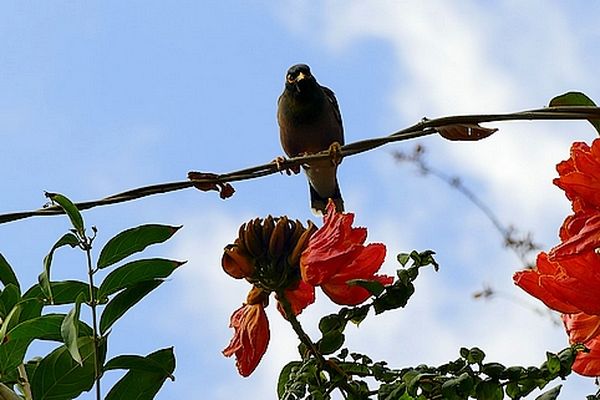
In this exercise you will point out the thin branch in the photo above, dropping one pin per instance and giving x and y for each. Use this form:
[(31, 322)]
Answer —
[(420, 129)]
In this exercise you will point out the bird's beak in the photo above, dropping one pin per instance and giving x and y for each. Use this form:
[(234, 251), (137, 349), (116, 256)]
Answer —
[(300, 77)]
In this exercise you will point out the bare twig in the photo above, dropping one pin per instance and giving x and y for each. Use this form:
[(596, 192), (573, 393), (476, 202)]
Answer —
[(423, 128)]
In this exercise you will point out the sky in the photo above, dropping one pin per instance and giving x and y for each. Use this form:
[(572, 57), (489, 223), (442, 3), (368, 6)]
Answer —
[(101, 97)]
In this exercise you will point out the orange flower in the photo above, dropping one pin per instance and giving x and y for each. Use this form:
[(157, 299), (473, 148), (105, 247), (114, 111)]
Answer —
[(251, 337), (567, 279), (336, 254), (583, 328), (580, 175), (300, 296)]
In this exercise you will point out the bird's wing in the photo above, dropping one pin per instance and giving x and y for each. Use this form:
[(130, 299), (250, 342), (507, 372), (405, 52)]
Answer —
[(336, 108)]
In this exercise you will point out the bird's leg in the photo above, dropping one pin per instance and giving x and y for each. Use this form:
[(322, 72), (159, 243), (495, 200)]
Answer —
[(288, 170), (335, 153)]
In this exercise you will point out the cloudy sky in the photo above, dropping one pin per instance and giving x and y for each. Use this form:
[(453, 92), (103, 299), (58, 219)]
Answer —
[(100, 97)]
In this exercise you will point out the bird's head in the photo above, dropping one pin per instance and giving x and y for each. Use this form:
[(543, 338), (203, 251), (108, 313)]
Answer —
[(299, 78)]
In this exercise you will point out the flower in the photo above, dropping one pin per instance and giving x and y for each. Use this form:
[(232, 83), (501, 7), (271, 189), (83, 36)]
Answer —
[(580, 175), (336, 254), (567, 279), (251, 337), (583, 328)]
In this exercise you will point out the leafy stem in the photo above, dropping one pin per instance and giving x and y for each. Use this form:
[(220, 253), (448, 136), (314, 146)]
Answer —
[(24, 381), (330, 366)]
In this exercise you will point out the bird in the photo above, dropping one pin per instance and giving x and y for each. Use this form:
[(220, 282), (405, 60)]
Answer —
[(310, 121)]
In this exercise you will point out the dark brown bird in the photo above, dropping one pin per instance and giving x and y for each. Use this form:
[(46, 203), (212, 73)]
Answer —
[(309, 122)]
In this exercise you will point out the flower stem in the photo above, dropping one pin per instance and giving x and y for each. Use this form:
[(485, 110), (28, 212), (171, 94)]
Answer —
[(331, 367)]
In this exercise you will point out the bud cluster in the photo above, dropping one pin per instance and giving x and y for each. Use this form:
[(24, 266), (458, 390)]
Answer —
[(267, 252)]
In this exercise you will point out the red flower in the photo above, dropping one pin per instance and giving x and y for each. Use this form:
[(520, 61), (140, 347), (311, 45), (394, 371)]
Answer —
[(583, 328), (567, 279), (580, 175), (336, 254), (251, 337)]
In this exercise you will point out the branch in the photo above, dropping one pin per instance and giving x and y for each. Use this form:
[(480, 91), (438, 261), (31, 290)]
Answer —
[(424, 128)]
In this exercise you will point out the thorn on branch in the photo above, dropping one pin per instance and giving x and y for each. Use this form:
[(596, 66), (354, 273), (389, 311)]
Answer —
[(206, 181)]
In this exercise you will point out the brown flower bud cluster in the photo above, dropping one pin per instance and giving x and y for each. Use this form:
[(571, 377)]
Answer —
[(267, 252)]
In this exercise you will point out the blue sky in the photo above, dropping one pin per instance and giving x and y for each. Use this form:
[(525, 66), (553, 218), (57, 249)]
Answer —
[(100, 97)]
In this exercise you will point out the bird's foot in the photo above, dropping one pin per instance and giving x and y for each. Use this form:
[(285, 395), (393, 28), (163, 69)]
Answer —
[(335, 153), (295, 169)]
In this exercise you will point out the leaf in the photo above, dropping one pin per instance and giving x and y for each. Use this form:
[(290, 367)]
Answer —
[(12, 354), (551, 394), (70, 209), (139, 363), (575, 99), (465, 132), (45, 327), (331, 322), (8, 298), (373, 287), (123, 301), (69, 330), (63, 292), (68, 239), (143, 385), (7, 275), (489, 390), (284, 377), (132, 241), (331, 342), (553, 363), (12, 316), (135, 272), (59, 377)]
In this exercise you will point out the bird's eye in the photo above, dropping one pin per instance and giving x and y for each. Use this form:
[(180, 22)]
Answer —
[(290, 78)]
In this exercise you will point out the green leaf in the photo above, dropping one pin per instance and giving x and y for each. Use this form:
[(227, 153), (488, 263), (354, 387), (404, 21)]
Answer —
[(12, 354), (135, 362), (357, 315), (45, 327), (68, 239), (7, 275), (285, 376), (124, 300), (403, 258), (575, 99), (331, 322), (551, 394), (70, 209), (553, 363), (8, 298), (133, 241), (331, 342), (489, 390), (69, 330), (494, 370), (141, 384), (12, 316), (475, 356), (63, 292), (135, 272), (395, 296), (373, 287), (59, 377)]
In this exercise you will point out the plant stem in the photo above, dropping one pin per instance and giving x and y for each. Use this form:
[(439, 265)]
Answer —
[(24, 382), (330, 367), (88, 251)]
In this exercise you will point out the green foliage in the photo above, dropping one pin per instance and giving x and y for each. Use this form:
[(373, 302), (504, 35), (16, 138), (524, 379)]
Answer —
[(77, 363)]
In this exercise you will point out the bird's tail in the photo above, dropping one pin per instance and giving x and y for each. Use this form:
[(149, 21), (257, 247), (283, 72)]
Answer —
[(318, 203)]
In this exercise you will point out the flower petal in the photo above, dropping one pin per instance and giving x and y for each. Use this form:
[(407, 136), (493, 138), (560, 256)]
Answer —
[(588, 364), (250, 339), (529, 281), (300, 296)]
